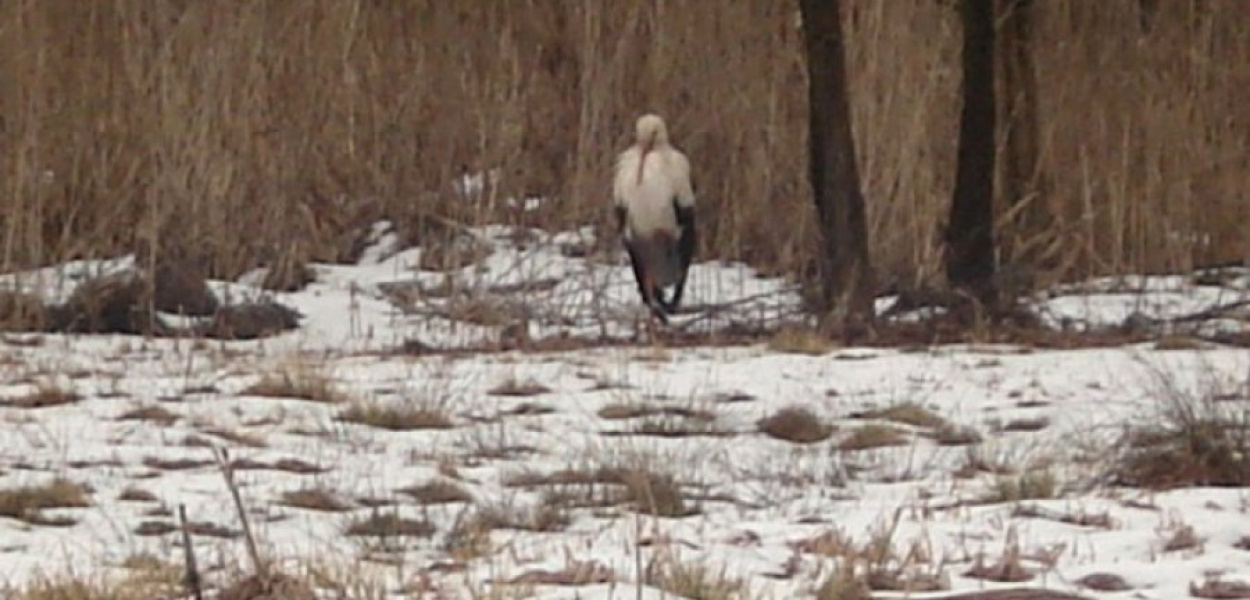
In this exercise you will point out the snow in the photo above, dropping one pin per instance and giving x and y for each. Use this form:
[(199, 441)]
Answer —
[(757, 497)]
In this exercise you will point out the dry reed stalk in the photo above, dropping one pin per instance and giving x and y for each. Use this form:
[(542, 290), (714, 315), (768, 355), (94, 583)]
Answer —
[(252, 133)]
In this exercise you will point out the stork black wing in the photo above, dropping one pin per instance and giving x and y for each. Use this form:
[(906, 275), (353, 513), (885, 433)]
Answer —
[(685, 250)]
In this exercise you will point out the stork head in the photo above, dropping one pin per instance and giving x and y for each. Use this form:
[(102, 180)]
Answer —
[(650, 132)]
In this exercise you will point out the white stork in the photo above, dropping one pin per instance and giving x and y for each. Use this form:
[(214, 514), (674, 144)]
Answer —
[(654, 206)]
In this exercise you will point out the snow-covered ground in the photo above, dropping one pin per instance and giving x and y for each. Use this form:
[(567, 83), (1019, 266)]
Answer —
[(774, 515)]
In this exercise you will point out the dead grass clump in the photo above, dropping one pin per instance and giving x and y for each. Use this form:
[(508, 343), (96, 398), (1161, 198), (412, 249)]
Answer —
[(871, 436), (674, 427), (27, 503), (800, 340), (1214, 587), (564, 477), (145, 578), (44, 395), (317, 499), (526, 409), (298, 383), (1081, 519), (695, 580), (174, 464), (1104, 582), (389, 525), (633, 410), (541, 518), (153, 413), (1195, 438), (241, 438), (154, 528), (656, 494), (906, 413), (1025, 425), (274, 586), (437, 492), (796, 424), (574, 574), (640, 488), (290, 465), (956, 435), (844, 584), (134, 494), (393, 417), (1035, 484), (514, 387)]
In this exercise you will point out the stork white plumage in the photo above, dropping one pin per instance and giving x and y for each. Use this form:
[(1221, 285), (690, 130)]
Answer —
[(654, 205)]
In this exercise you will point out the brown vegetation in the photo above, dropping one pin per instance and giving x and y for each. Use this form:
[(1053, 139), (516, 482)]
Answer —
[(311, 120)]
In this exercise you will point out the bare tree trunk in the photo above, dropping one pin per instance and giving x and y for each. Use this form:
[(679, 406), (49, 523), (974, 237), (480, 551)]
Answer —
[(970, 232), (1029, 246), (845, 271)]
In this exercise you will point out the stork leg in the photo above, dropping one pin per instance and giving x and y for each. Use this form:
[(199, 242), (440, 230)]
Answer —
[(646, 286), (670, 306)]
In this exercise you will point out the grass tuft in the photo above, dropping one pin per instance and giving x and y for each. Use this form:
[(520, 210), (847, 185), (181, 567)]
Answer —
[(799, 340), (1196, 438), (389, 525), (300, 383), (44, 395), (695, 580), (873, 435), (796, 424), (27, 503), (437, 492), (396, 417), (152, 412), (317, 499), (906, 413), (514, 387)]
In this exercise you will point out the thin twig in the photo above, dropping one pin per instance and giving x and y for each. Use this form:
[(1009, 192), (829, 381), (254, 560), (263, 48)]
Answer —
[(227, 472), (188, 552)]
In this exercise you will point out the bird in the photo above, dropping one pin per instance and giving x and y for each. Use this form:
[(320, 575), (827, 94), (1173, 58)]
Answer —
[(654, 205)]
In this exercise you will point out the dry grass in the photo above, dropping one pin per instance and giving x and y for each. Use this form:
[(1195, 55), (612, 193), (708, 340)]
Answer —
[(152, 412), (27, 503), (44, 395), (397, 417), (388, 525), (145, 578), (634, 410), (437, 492), (796, 424), (545, 517), (134, 494), (639, 487), (675, 427), (873, 435), (907, 413), (111, 145), (519, 388), (317, 499), (1197, 436), (1034, 484), (301, 383), (800, 340), (695, 580)]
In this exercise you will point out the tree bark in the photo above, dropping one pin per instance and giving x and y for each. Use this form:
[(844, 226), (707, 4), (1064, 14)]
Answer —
[(845, 270), (1028, 244), (970, 231)]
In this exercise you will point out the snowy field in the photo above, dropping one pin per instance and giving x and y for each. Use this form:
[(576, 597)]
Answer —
[(540, 474)]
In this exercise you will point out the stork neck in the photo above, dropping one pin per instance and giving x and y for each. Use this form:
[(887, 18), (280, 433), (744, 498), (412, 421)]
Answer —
[(642, 159)]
